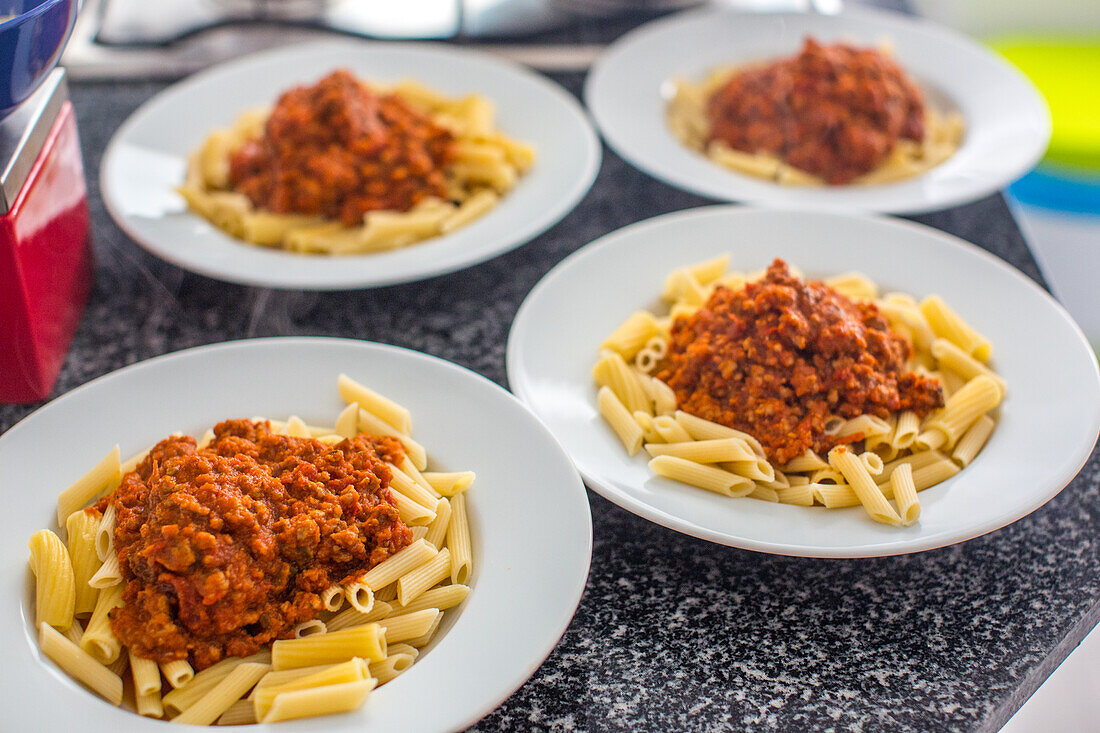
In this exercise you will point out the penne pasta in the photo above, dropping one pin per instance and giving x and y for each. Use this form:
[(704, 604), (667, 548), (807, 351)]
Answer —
[(367, 642), (81, 528), (210, 706), (100, 480), (319, 701), (458, 542), (55, 589), (705, 477), (79, 664)]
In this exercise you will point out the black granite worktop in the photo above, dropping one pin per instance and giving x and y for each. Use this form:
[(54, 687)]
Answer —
[(673, 633)]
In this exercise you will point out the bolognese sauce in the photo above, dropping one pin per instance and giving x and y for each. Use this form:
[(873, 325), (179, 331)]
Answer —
[(781, 357), (227, 548), (339, 149), (835, 111)]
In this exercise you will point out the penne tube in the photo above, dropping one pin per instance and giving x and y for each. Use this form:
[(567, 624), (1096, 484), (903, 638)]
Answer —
[(631, 336), (295, 427), (81, 528), (103, 477), (949, 356), (210, 706), (801, 495), (868, 493), (701, 429), (419, 532), (424, 639), (613, 372), (402, 482), (705, 451), (437, 530), (178, 672), (146, 674), (834, 496), (79, 664), (808, 461), (391, 667), (353, 670), (359, 596), (389, 411), (332, 598), (366, 641), (443, 597), (905, 493), (396, 565), (98, 639), (325, 700), (947, 324), (765, 494), (149, 704), (977, 397), (458, 541), (449, 484), (414, 473), (310, 628), (413, 583), (905, 432), (105, 532), (347, 422), (756, 469), (620, 419), (973, 440), (649, 432), (108, 574), (408, 625), (55, 589), (705, 477), (410, 512)]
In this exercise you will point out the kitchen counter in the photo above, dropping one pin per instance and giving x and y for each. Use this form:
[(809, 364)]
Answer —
[(672, 633)]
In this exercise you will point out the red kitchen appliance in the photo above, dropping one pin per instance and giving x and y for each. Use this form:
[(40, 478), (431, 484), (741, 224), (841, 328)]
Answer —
[(45, 251)]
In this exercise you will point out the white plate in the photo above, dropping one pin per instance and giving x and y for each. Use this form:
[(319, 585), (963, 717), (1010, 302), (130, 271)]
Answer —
[(1007, 121), (147, 157), (531, 529), (1048, 425)]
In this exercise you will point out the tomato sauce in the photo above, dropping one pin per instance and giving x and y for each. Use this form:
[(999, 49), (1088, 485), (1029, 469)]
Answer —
[(834, 111), (781, 357), (337, 149), (225, 549)]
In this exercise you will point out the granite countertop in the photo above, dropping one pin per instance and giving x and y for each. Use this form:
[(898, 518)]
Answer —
[(672, 633)]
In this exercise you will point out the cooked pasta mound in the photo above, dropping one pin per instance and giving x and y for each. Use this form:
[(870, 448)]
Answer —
[(781, 357)]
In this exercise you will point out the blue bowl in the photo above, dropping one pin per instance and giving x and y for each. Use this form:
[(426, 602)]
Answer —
[(30, 45)]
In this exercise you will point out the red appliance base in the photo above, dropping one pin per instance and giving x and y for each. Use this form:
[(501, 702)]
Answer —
[(45, 267)]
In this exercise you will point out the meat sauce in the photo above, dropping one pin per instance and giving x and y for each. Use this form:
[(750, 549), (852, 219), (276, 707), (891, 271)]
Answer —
[(338, 149), (834, 111), (225, 549), (781, 357)]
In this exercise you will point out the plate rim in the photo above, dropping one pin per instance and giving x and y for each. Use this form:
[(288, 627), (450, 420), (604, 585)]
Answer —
[(545, 217), (640, 508), (576, 489), (691, 185)]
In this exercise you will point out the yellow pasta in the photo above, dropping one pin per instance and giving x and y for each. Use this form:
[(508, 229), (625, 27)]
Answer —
[(949, 356), (905, 493), (79, 664), (977, 396), (325, 700), (408, 625), (449, 484), (55, 589), (670, 430), (620, 419), (392, 413), (630, 337), (949, 325), (972, 441), (458, 541), (215, 702), (705, 477), (396, 565), (104, 534), (360, 596), (391, 666), (613, 372), (146, 674), (437, 530), (352, 670), (371, 424), (856, 475), (107, 574), (242, 712), (415, 582), (705, 451), (443, 597), (81, 528), (101, 479), (366, 641), (402, 482), (424, 639), (149, 704), (178, 672), (332, 598)]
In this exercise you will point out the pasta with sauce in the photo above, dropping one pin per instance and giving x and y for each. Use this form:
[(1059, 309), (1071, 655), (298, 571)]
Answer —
[(832, 114), (229, 555), (369, 169), (799, 392)]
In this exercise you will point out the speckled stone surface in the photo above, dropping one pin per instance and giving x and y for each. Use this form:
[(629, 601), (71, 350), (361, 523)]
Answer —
[(672, 633)]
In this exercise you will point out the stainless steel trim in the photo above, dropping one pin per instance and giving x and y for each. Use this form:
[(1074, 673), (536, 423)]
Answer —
[(24, 131)]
